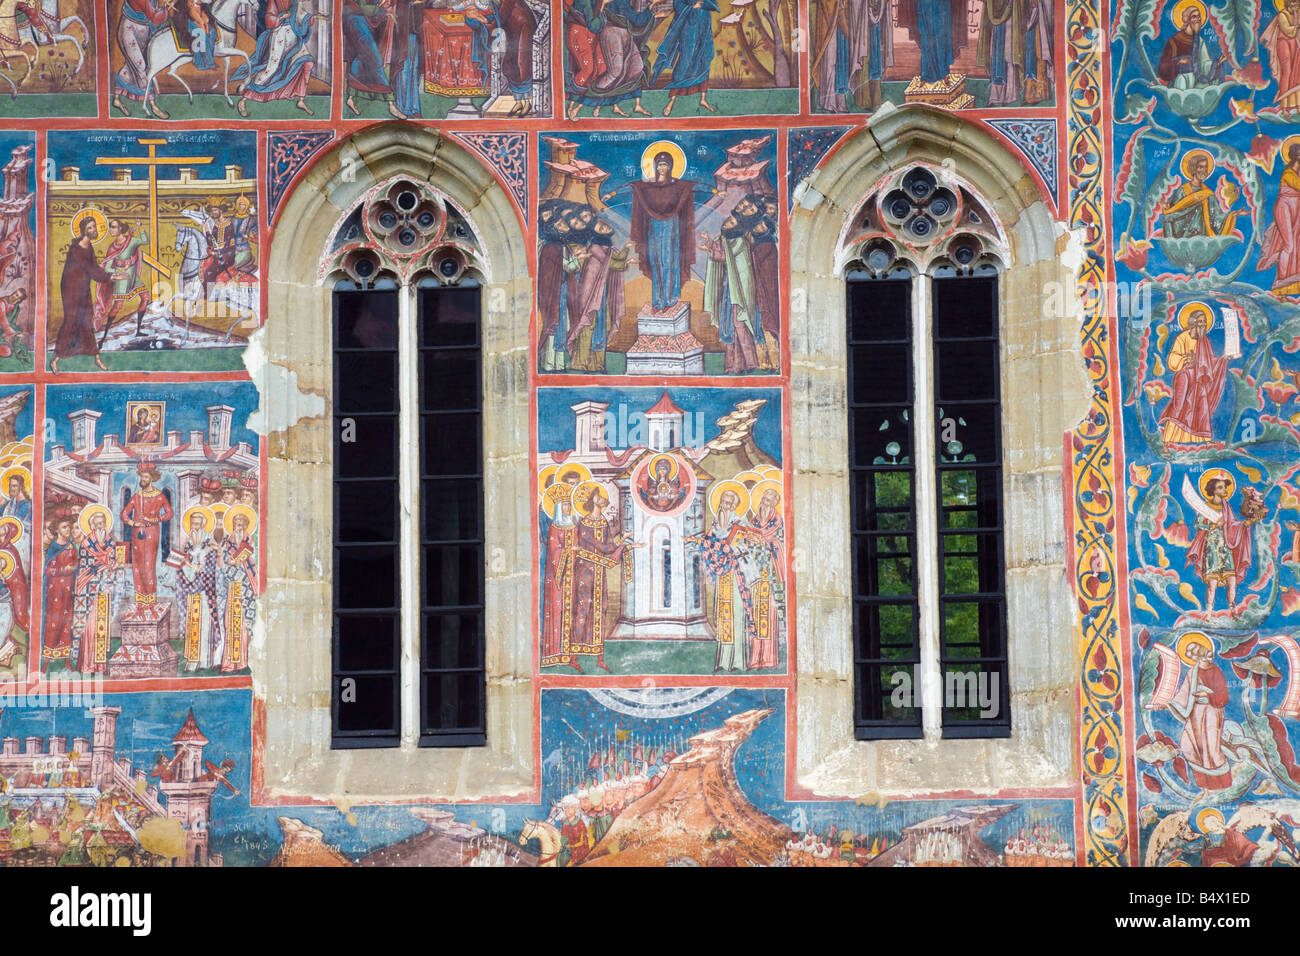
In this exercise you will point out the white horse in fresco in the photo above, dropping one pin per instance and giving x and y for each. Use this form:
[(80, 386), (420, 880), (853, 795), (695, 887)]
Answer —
[(163, 53), (53, 29)]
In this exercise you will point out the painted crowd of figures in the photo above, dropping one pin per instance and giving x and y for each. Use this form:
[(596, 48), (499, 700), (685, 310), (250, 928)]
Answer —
[(97, 582)]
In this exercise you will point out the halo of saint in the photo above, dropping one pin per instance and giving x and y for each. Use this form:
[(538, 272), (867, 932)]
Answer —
[(16, 529), (664, 484), (1190, 639), (1215, 474), (89, 512), (662, 146), (209, 518), (90, 212), (737, 488), (1181, 8), (583, 492), (555, 485), (16, 471), (1191, 309), (233, 511)]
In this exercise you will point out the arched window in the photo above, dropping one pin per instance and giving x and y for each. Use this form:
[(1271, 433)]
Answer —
[(408, 605), (312, 249), (926, 479), (1043, 393)]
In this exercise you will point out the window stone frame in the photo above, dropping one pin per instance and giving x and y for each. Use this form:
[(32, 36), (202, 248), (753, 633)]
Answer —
[(1045, 392), (291, 362)]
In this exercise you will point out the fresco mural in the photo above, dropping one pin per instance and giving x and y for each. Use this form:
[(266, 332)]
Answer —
[(48, 58), (659, 256), (672, 777), (410, 59), (153, 250), (121, 779), (18, 252), (17, 442), (665, 551), (151, 564), (661, 528), (268, 60), (1207, 299), (679, 58), (952, 54)]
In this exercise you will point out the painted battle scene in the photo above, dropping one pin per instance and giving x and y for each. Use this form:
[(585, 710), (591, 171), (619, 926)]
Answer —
[(1206, 197), (661, 526), (121, 780), (151, 541), (950, 54), (48, 58), (680, 57), (435, 59), (153, 250), (659, 256), (220, 59), (658, 777), (16, 575)]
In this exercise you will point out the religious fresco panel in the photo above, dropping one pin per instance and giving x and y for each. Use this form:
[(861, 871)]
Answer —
[(1207, 196), (224, 59), (152, 250), (661, 527), (951, 54), (95, 779), (671, 58), (658, 253), (483, 59), (17, 439), (18, 252), (151, 540), (48, 58)]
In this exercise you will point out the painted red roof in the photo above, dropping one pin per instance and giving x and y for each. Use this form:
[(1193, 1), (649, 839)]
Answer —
[(665, 406), (189, 732)]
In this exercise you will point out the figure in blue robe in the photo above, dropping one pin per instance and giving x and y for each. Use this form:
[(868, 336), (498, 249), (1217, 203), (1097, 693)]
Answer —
[(936, 40), (687, 51)]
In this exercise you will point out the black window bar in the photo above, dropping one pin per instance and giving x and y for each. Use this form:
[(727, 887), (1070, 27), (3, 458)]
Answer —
[(366, 698), (453, 671), (968, 445), (886, 652)]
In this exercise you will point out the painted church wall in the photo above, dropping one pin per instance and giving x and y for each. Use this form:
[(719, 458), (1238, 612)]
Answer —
[(148, 151)]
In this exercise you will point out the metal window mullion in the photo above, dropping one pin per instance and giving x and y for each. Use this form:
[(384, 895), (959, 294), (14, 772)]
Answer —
[(408, 486), (927, 508)]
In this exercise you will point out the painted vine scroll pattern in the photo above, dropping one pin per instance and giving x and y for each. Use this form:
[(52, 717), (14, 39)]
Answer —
[(1106, 825)]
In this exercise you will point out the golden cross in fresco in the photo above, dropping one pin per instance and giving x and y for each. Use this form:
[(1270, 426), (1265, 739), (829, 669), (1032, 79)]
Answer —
[(153, 161)]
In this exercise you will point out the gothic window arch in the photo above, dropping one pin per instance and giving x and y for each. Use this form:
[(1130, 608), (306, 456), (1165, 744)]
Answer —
[(314, 247), (408, 556), (925, 469), (1044, 393)]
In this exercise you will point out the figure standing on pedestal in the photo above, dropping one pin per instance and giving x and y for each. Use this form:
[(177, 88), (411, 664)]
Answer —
[(146, 520), (92, 610), (663, 224)]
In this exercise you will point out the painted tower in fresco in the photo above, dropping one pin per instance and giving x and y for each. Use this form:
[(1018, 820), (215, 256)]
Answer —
[(189, 791)]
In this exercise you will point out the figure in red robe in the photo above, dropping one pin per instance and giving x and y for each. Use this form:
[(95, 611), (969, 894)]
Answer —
[(595, 550), (1200, 703), (1281, 246), (1199, 376), (142, 521), (60, 584)]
